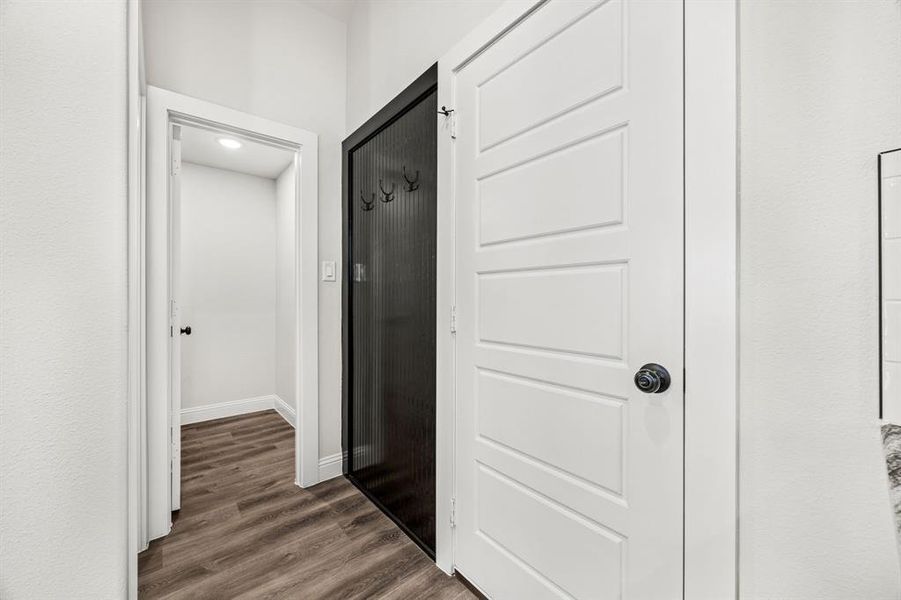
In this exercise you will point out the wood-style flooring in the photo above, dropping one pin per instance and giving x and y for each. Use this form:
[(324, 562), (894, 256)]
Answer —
[(246, 531)]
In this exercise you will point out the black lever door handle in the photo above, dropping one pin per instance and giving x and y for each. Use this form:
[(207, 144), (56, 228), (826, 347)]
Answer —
[(186, 330)]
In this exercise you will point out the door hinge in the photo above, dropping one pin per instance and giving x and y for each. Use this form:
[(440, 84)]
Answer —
[(175, 448), (450, 120), (175, 164), (453, 319), (453, 513)]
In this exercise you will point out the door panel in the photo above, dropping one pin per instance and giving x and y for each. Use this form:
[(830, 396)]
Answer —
[(513, 204), (568, 259), (391, 441), (523, 308)]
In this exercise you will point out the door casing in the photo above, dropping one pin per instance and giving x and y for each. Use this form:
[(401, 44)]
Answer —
[(710, 68), (153, 456)]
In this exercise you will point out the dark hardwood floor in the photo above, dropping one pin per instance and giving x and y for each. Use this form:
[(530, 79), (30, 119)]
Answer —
[(246, 531)]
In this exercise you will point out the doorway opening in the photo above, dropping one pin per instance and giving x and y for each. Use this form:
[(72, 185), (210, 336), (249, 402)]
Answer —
[(233, 336), (231, 283)]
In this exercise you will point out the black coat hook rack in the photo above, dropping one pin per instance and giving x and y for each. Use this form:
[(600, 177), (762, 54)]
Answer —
[(412, 184), (387, 196)]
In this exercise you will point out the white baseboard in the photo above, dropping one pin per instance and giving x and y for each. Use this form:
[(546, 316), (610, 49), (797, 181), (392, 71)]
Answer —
[(330, 467), (221, 410), (233, 408), (285, 410)]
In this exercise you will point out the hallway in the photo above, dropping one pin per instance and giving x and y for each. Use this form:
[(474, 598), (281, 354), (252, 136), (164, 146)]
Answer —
[(246, 531)]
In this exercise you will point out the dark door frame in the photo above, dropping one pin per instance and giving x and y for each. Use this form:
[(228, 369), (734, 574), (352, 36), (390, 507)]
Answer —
[(417, 91)]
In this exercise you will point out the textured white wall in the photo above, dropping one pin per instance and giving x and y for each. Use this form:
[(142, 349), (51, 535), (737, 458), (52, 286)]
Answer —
[(62, 300), (283, 61), (286, 299), (820, 97), (228, 285), (391, 42)]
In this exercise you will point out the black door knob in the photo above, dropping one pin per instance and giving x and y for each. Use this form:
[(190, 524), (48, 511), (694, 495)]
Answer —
[(186, 330), (652, 379)]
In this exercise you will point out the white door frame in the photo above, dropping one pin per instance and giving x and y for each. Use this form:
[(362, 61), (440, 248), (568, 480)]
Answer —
[(136, 482), (164, 107), (711, 291)]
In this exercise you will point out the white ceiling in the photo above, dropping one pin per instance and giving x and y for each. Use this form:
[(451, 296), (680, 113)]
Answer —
[(338, 9), (202, 147)]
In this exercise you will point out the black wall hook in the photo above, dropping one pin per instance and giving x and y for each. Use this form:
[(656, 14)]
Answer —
[(388, 196), (445, 111), (412, 184), (367, 205)]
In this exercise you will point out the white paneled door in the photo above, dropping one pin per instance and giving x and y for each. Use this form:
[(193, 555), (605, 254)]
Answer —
[(569, 256), (175, 314)]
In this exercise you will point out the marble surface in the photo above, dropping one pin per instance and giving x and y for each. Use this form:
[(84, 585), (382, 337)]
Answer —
[(891, 443)]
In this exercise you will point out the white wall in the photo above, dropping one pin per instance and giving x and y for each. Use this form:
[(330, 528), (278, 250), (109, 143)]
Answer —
[(286, 298), (228, 285), (820, 97), (284, 61), (62, 300), (391, 42)]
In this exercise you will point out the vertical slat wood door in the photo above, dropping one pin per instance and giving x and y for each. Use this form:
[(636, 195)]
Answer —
[(393, 252), (569, 245)]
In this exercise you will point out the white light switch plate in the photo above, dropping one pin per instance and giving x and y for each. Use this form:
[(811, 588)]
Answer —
[(328, 270)]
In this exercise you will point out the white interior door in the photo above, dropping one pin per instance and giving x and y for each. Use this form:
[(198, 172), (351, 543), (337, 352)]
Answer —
[(569, 257), (175, 312)]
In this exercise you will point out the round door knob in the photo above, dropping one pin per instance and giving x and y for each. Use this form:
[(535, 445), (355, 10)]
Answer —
[(186, 330), (652, 379)]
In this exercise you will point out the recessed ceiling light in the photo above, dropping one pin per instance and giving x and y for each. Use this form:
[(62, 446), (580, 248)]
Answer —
[(230, 143)]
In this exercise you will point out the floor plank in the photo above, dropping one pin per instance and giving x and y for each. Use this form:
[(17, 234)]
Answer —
[(246, 531)]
